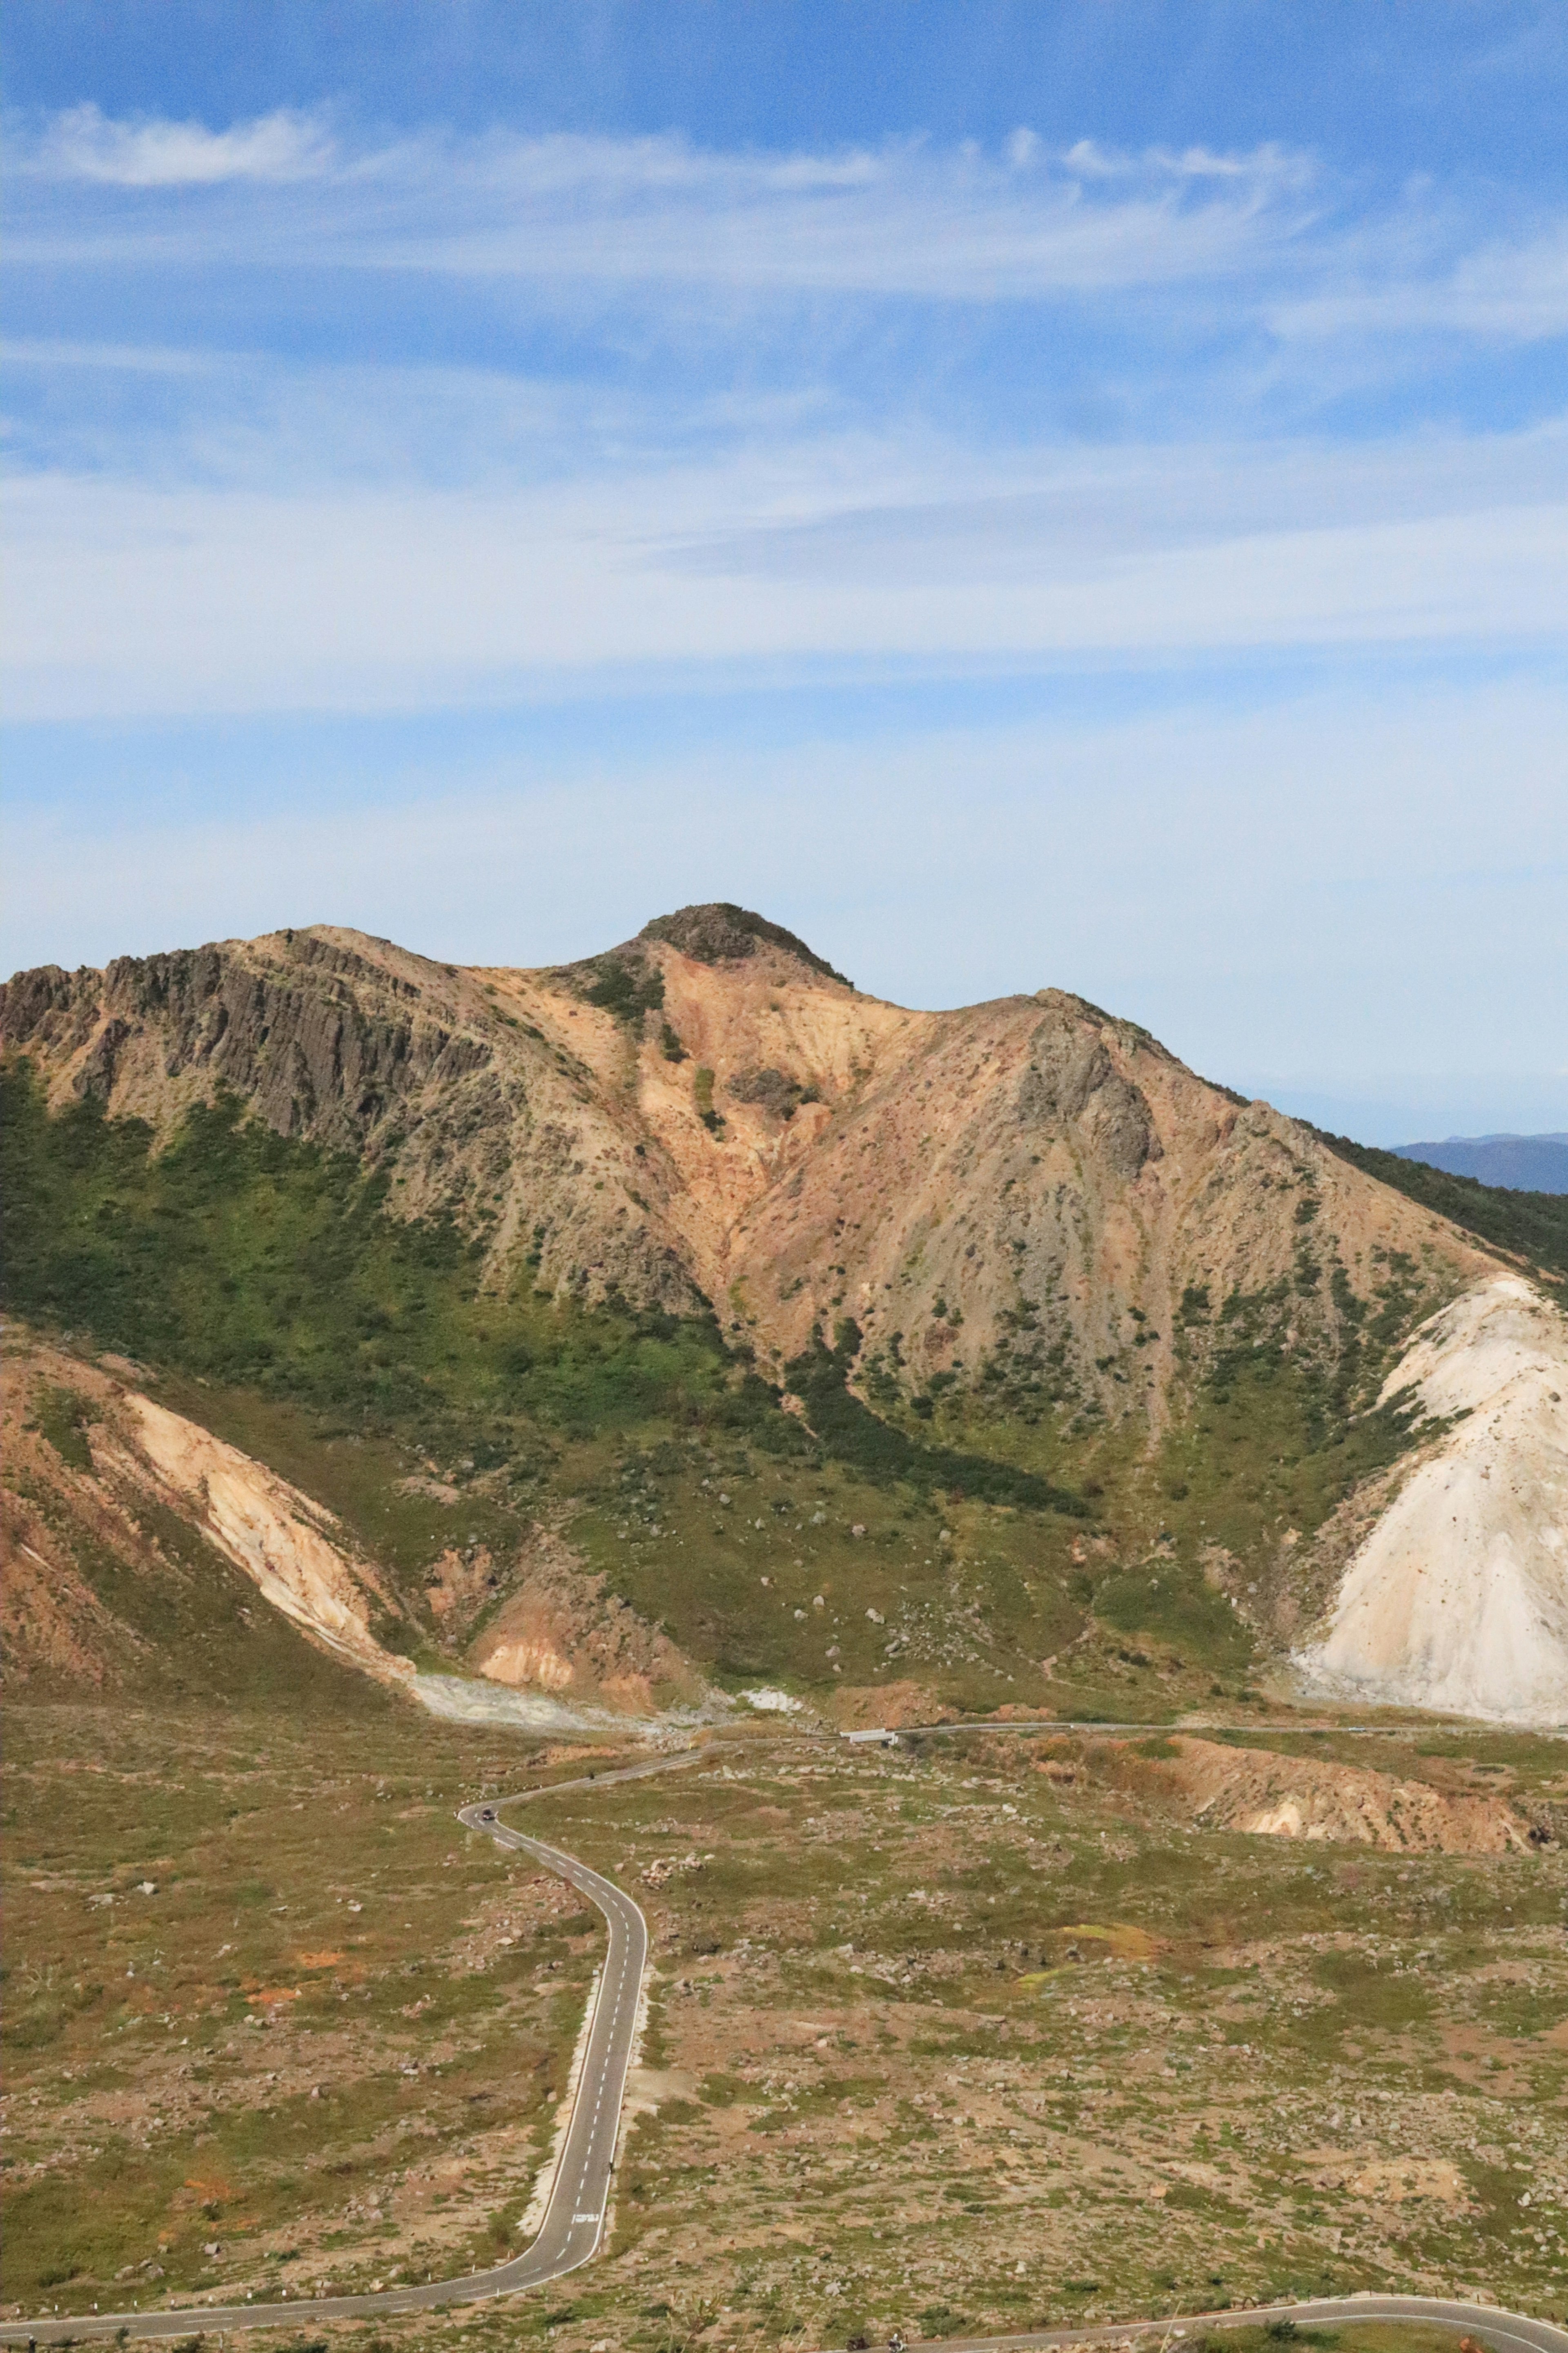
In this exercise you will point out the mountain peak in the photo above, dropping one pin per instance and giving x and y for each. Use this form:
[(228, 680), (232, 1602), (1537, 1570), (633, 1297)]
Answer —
[(719, 932)]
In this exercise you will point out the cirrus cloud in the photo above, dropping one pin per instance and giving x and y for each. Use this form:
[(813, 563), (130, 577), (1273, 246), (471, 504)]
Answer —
[(151, 152)]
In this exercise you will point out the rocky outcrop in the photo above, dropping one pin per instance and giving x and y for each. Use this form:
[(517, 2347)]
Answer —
[(131, 1469), (722, 934), (294, 1550), (1072, 1082), (1458, 1597), (1021, 1193), (563, 1632), (1271, 1796), (313, 1036), (334, 1038)]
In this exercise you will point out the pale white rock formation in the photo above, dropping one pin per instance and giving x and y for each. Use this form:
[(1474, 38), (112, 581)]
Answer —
[(536, 1662), (268, 1528), (1458, 1598), (462, 1702)]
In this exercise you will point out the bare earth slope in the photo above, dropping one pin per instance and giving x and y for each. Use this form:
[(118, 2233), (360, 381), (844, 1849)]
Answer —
[(1024, 1222), (756, 1133), (116, 1514), (116, 1472), (1458, 1597)]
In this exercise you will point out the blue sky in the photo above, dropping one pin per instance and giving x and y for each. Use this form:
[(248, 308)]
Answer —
[(1030, 494)]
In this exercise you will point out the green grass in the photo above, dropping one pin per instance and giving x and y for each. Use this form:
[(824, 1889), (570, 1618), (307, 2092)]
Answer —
[(64, 1417), (268, 1285), (855, 1434), (237, 1255), (286, 1308), (151, 2115), (1533, 1226)]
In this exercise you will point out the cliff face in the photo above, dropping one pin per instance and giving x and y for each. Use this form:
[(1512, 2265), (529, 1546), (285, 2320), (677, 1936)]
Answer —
[(1456, 1599), (1033, 1241), (119, 1518), (1027, 1189), (339, 1039)]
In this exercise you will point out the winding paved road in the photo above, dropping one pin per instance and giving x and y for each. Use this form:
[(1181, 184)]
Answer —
[(1488, 2322), (573, 2222), (574, 2218)]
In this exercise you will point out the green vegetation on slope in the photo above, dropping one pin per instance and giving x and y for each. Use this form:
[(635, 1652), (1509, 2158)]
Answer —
[(357, 1354), (239, 1257), (854, 1433), (363, 1357), (1281, 1430), (1533, 1226)]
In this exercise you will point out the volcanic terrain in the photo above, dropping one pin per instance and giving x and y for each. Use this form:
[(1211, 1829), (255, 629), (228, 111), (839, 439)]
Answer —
[(1152, 1360)]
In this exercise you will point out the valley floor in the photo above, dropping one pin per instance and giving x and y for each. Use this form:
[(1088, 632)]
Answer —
[(985, 2035)]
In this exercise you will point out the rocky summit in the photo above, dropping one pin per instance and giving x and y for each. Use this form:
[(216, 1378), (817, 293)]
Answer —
[(651, 1287)]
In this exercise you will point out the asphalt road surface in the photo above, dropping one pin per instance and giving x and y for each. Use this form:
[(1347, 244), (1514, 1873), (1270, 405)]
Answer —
[(573, 2222), (1506, 2332), (574, 2218)]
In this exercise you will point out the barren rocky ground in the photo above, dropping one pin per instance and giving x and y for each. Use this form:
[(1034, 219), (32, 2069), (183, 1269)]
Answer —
[(683, 1340), (1127, 2058)]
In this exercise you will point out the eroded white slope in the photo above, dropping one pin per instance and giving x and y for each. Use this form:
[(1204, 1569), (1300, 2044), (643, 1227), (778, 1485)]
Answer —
[(1458, 1598), (268, 1528)]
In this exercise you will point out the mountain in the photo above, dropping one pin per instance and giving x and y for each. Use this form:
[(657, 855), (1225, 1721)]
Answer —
[(686, 1276), (1523, 1164)]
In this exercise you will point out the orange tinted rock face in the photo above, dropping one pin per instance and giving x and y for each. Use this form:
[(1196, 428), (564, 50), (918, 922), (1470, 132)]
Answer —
[(710, 1114), (136, 1453), (1274, 1796), (563, 1633)]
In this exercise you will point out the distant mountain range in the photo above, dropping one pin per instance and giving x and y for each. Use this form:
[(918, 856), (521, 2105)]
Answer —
[(1521, 1164)]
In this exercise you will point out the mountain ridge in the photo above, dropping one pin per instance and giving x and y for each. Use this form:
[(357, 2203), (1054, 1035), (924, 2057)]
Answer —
[(1523, 1164), (1015, 1254), (750, 1128)]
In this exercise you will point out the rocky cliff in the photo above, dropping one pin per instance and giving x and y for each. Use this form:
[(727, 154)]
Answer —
[(1023, 1193), (1066, 1275)]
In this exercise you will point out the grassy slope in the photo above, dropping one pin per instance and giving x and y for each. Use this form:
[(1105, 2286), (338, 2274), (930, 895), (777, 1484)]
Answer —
[(285, 1308), (160, 2048), (1532, 1226)]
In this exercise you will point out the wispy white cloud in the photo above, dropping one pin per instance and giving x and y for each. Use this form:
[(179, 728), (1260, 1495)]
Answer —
[(385, 532), (1281, 167), (1505, 290), (606, 217), (83, 143), (134, 598), (905, 218)]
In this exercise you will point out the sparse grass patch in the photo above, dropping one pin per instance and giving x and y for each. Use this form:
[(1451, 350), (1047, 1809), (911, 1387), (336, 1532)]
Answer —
[(305, 2031)]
